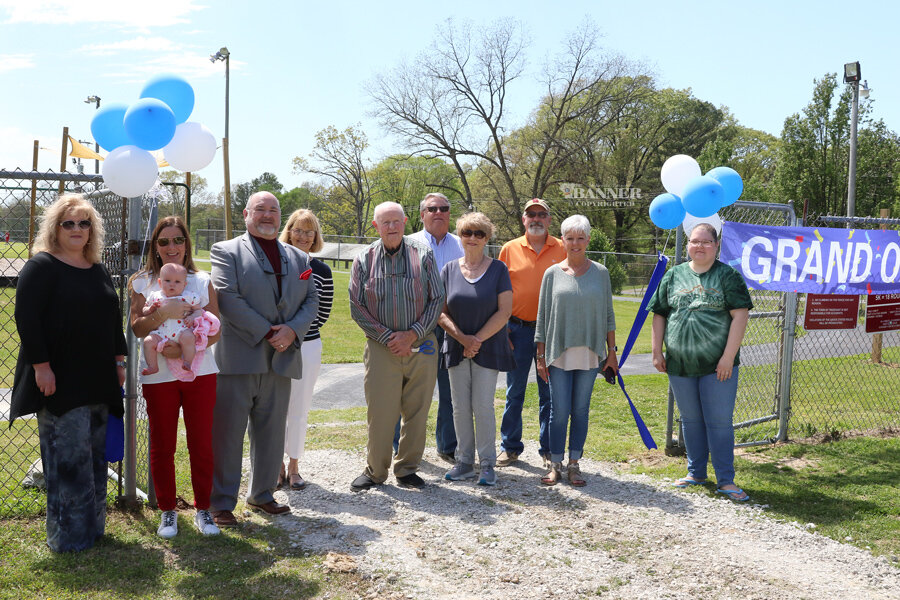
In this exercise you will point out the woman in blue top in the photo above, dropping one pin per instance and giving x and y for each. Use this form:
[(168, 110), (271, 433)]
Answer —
[(476, 347), (701, 310)]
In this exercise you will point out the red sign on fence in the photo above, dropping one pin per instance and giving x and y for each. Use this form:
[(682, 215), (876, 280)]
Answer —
[(831, 311), (882, 313)]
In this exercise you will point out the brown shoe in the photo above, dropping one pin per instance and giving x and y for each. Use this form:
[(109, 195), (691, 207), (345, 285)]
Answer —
[(223, 518), (507, 458), (271, 507)]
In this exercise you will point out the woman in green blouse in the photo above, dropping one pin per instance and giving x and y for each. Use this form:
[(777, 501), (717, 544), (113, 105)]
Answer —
[(701, 310)]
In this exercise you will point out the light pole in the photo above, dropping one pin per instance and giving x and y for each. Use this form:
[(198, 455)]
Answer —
[(224, 54), (852, 75), (92, 100)]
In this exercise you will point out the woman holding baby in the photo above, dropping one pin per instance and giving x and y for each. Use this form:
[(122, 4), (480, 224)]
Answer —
[(178, 380)]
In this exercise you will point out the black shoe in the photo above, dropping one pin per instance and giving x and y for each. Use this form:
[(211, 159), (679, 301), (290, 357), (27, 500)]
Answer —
[(447, 457), (362, 483), (411, 481)]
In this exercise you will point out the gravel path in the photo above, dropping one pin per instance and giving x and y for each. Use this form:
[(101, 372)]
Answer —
[(621, 536)]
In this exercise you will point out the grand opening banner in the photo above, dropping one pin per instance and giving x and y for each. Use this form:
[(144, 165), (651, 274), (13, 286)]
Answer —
[(814, 260)]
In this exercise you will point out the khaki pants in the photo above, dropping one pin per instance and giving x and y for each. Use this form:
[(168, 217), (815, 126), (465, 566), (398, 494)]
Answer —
[(397, 386)]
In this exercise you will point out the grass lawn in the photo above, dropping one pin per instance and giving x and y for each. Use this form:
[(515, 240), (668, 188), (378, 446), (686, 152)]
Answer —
[(847, 488), (343, 341)]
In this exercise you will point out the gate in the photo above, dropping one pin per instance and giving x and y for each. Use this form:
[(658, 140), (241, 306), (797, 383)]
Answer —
[(804, 383), (23, 197), (760, 411)]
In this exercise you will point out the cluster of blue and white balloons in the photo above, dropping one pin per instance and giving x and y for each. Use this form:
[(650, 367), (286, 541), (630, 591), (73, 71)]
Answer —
[(693, 197), (157, 120)]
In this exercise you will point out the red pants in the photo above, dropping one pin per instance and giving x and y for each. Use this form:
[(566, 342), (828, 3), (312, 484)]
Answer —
[(196, 399)]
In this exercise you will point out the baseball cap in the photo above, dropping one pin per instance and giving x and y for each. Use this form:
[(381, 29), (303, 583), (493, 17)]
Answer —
[(536, 202)]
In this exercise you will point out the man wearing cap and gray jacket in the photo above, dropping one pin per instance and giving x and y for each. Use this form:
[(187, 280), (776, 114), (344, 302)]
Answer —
[(527, 258)]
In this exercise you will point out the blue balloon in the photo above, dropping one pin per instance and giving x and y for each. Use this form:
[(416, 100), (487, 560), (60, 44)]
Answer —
[(666, 211), (731, 181), (108, 126), (703, 196), (174, 91), (150, 123)]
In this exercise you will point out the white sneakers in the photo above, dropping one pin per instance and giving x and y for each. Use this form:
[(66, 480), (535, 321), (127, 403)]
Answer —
[(205, 524), (168, 524)]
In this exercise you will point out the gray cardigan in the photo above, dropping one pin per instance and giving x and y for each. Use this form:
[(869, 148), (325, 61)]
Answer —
[(575, 311)]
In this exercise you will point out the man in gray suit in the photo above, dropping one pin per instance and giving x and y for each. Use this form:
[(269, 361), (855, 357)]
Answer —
[(267, 301)]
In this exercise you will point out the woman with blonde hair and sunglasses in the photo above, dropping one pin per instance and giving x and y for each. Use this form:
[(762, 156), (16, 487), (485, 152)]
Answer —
[(70, 367), (302, 231), (165, 394)]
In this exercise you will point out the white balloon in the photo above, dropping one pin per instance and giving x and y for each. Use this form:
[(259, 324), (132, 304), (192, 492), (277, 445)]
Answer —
[(677, 171), (192, 148), (690, 221), (129, 171)]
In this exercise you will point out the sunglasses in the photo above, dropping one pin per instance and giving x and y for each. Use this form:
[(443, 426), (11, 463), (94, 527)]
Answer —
[(537, 215), (177, 240), (434, 209), (70, 225), (470, 232)]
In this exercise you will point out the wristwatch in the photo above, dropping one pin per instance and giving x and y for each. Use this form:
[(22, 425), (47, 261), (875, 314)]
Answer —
[(120, 363), (612, 349)]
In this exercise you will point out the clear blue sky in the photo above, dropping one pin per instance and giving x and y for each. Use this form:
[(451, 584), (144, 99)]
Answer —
[(299, 66)]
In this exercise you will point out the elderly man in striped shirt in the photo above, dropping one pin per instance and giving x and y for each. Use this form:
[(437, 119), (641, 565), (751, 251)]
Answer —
[(396, 296)]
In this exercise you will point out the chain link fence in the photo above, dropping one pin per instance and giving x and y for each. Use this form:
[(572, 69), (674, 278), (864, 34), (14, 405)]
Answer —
[(845, 380), (23, 198), (794, 382)]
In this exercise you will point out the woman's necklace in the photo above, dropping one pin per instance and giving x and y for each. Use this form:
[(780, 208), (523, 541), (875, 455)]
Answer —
[(472, 270)]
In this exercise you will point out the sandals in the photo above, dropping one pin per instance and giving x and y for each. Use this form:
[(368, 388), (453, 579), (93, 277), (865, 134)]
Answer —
[(574, 474), (553, 477), (688, 481), (737, 495)]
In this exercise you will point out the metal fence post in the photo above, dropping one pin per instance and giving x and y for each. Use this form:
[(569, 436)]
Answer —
[(135, 237)]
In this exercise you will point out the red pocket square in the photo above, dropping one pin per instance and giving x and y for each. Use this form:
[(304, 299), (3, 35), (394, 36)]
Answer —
[(305, 274)]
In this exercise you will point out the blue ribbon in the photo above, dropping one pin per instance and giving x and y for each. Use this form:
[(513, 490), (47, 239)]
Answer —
[(655, 278)]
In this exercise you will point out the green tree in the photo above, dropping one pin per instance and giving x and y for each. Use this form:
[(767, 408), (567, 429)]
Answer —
[(750, 152), (813, 154), (407, 179), (600, 243)]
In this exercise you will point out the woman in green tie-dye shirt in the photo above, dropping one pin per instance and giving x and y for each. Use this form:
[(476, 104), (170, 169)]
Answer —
[(701, 310)]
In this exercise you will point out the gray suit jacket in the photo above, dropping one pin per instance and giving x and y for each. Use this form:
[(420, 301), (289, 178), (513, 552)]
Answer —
[(249, 305)]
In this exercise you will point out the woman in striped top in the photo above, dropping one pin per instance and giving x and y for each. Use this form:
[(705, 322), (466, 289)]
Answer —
[(303, 231)]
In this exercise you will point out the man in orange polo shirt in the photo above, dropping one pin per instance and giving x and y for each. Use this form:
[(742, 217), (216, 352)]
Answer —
[(527, 258)]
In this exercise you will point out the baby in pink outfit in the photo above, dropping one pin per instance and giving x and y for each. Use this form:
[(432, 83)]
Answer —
[(190, 333)]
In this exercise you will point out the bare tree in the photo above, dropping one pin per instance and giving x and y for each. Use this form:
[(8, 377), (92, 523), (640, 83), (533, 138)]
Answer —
[(339, 156), (454, 104)]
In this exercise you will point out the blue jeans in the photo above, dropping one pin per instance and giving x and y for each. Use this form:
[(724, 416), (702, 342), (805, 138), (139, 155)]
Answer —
[(570, 397), (444, 432), (707, 418), (511, 426)]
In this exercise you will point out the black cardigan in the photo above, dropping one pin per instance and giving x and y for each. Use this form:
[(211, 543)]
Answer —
[(71, 318)]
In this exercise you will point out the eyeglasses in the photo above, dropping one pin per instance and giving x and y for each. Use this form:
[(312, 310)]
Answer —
[(703, 243), (537, 215), (304, 232), (434, 209), (177, 240), (470, 232), (70, 225)]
